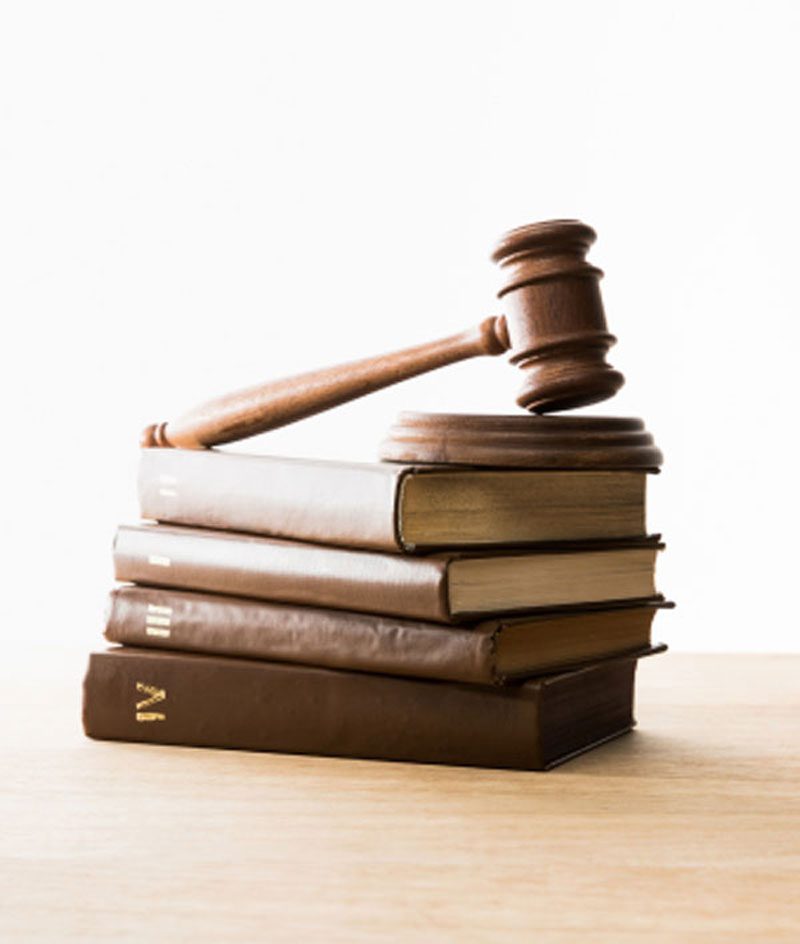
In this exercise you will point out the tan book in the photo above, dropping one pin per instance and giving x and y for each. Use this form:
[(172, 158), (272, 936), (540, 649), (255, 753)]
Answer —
[(490, 652), (439, 587), (385, 506)]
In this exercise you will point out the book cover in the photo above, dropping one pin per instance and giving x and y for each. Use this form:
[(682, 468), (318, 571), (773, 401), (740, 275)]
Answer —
[(440, 587), (385, 506), (493, 651), (207, 701)]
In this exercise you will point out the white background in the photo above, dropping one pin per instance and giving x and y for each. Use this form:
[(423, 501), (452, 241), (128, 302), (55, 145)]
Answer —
[(197, 196)]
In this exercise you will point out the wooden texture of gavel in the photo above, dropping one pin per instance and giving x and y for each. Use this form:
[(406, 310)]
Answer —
[(553, 324)]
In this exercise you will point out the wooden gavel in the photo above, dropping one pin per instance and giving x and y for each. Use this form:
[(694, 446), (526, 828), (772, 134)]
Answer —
[(554, 326)]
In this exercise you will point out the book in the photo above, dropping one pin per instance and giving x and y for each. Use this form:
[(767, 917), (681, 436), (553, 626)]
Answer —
[(385, 506), (490, 652), (440, 587), (213, 701)]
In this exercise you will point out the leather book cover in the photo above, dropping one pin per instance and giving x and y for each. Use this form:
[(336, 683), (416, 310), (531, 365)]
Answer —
[(207, 701), (283, 571), (386, 506), (309, 574), (164, 618), (349, 504)]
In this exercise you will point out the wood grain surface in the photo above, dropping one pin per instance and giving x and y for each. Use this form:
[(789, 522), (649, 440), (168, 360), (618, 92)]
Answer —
[(686, 830)]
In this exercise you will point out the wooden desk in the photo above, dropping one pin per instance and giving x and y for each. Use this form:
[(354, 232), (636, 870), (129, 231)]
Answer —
[(687, 830)]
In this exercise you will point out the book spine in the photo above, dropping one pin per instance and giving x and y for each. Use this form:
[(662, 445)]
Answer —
[(325, 503), (205, 701), (199, 622), (282, 571)]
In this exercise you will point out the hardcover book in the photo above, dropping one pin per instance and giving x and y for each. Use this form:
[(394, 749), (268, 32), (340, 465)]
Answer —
[(440, 587), (385, 506), (207, 701), (494, 651)]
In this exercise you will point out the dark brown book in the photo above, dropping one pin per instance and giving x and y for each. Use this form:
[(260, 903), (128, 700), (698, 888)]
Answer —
[(211, 701), (491, 652), (441, 587), (388, 507)]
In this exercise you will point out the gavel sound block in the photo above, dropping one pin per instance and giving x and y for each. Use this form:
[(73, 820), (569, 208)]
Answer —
[(553, 325), (611, 443)]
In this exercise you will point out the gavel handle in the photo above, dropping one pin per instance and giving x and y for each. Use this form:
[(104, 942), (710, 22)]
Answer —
[(277, 403)]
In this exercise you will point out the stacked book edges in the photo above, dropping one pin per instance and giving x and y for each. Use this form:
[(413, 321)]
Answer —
[(432, 614)]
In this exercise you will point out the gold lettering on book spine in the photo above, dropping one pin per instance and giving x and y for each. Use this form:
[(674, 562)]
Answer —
[(158, 620), (154, 696)]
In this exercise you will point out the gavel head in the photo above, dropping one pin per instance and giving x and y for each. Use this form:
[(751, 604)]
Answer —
[(554, 314)]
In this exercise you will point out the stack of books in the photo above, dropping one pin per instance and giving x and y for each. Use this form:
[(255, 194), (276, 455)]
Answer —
[(417, 613)]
